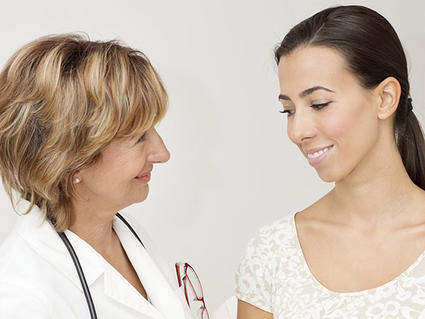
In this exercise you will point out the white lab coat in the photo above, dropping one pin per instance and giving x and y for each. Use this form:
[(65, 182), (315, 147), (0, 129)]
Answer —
[(38, 279)]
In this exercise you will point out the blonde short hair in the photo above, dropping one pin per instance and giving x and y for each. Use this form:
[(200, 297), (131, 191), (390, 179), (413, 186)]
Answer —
[(63, 98)]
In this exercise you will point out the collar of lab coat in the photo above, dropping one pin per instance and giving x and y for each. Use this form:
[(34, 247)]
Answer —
[(41, 235)]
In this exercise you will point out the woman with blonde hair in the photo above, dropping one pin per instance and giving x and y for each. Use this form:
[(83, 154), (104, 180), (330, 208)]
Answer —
[(358, 252), (78, 144)]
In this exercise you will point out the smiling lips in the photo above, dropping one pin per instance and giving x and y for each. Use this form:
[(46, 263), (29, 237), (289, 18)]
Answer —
[(144, 177), (317, 155)]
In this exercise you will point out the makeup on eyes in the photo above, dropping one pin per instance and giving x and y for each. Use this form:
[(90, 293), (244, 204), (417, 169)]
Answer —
[(316, 106), (137, 139), (141, 138), (310, 92), (320, 105)]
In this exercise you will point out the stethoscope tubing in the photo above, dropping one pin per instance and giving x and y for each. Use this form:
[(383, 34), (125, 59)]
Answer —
[(80, 272)]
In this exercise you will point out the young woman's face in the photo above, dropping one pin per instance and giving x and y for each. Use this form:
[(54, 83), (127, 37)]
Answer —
[(331, 117), (121, 175)]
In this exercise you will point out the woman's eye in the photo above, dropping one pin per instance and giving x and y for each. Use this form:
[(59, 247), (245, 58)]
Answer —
[(289, 112), (141, 139), (320, 105), (317, 106)]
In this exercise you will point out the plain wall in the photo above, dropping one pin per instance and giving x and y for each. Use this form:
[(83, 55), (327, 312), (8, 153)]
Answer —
[(232, 168)]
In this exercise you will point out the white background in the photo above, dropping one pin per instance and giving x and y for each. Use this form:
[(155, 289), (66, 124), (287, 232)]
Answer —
[(232, 168)]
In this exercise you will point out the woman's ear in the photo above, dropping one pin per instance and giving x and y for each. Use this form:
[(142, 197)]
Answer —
[(76, 179), (388, 93)]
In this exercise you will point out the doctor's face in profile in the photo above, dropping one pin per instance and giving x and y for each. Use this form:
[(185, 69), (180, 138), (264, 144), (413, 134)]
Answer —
[(330, 116), (121, 174)]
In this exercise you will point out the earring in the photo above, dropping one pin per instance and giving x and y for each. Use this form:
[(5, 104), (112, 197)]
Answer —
[(77, 180)]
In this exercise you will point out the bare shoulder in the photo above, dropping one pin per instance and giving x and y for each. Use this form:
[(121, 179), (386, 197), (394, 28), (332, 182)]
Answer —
[(248, 311)]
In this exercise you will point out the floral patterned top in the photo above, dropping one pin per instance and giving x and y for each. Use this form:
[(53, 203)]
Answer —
[(274, 276)]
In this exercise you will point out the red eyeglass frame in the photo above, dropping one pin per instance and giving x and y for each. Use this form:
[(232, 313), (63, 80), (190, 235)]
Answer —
[(182, 282)]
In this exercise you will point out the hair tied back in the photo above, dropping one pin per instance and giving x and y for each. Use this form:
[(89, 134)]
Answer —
[(409, 105)]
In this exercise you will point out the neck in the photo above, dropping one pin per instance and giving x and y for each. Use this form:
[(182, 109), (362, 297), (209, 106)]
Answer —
[(94, 226), (377, 191)]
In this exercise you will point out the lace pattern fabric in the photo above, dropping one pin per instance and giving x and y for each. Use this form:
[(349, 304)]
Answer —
[(274, 276)]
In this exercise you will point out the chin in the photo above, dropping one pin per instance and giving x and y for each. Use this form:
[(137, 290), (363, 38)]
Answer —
[(335, 175), (329, 176), (142, 197), (139, 197), (145, 194), (327, 179)]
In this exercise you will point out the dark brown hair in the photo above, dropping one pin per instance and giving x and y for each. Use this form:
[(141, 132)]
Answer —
[(373, 52)]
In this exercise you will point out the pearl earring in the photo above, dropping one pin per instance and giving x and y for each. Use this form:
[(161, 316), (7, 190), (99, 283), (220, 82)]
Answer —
[(77, 180)]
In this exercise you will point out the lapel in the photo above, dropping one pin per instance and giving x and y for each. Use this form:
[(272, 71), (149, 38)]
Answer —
[(157, 287), (42, 237), (117, 288)]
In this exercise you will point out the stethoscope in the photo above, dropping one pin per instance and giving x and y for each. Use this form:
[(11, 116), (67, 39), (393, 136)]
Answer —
[(80, 272)]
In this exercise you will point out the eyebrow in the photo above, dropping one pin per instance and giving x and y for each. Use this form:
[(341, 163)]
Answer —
[(305, 92)]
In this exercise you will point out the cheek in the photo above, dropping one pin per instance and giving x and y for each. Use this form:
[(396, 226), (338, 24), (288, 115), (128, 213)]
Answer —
[(113, 172), (346, 124), (123, 171), (336, 126), (354, 131)]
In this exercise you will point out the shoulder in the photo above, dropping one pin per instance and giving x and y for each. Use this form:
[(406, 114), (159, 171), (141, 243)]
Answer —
[(16, 255), (19, 251), (21, 293), (272, 238), (271, 243), (282, 226), (19, 300), (19, 260), (30, 262), (262, 262)]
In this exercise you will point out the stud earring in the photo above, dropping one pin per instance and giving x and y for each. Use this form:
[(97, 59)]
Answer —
[(77, 180)]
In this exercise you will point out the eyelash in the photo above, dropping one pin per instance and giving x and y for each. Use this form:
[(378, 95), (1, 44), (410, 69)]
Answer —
[(315, 106), (141, 138)]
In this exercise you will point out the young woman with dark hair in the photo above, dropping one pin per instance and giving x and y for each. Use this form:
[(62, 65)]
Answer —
[(358, 252)]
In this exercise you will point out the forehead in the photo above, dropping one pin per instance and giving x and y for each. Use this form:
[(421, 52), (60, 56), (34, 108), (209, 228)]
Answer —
[(313, 66)]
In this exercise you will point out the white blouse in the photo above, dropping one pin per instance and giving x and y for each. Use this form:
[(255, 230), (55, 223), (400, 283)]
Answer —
[(38, 278), (274, 276)]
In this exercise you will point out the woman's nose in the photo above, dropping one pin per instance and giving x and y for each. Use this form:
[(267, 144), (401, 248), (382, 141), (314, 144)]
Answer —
[(301, 127), (159, 152)]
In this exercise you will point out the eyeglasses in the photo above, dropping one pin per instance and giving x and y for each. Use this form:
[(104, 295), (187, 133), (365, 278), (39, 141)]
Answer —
[(188, 278)]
